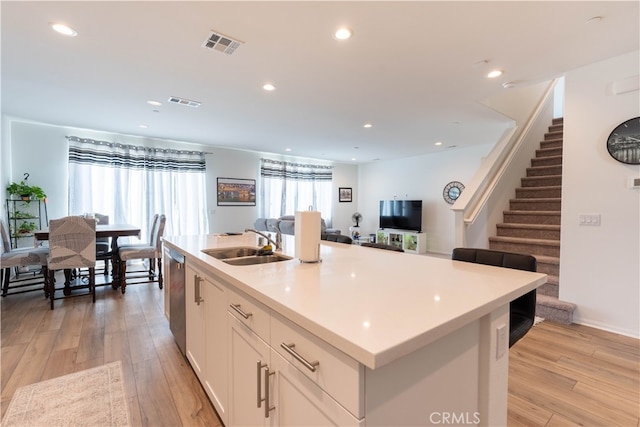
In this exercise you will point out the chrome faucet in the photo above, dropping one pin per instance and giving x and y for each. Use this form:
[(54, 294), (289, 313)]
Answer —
[(277, 243)]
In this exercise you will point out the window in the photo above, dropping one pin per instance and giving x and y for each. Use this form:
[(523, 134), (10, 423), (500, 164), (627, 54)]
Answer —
[(131, 184), (289, 187)]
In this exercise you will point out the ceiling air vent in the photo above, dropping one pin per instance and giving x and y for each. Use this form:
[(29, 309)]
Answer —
[(220, 42), (183, 101)]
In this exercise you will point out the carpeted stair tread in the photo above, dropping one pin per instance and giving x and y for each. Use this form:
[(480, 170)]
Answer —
[(546, 161), (536, 204), (534, 181), (546, 152), (543, 191), (544, 170), (531, 226), (552, 309), (548, 259), (521, 240)]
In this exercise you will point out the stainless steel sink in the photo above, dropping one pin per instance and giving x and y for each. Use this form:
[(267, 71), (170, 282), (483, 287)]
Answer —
[(244, 255), (235, 252), (257, 259)]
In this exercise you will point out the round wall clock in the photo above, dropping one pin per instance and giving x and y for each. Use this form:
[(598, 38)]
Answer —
[(624, 142), (452, 191)]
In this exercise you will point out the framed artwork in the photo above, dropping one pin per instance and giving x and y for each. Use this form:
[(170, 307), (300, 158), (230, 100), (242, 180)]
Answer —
[(344, 194), (236, 192), (623, 143)]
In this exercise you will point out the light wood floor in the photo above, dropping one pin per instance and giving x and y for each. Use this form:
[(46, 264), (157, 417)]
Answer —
[(559, 375)]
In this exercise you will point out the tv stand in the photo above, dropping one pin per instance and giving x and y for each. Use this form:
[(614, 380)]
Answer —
[(411, 241)]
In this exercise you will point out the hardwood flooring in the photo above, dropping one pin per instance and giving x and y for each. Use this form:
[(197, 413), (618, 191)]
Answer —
[(562, 375), (558, 375), (38, 344)]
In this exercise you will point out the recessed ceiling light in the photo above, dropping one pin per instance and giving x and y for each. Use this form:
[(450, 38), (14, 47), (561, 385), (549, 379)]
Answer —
[(367, 125), (143, 126), (353, 158), (594, 19), (154, 103), (438, 143), (343, 33), (508, 85), (64, 29), (268, 87), (287, 149), (494, 73)]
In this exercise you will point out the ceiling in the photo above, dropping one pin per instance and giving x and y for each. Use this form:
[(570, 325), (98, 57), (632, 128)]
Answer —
[(412, 69)]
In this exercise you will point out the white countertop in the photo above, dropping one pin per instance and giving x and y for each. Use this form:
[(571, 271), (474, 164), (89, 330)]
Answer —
[(374, 305)]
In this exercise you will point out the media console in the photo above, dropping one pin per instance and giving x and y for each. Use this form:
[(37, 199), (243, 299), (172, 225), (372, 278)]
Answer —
[(410, 241)]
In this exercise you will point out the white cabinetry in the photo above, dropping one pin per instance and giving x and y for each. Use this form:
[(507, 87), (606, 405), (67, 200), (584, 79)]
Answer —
[(249, 357), (207, 335), (410, 241), (279, 387)]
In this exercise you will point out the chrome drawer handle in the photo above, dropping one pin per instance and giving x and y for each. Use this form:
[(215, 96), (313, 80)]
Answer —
[(267, 396), (237, 309), (259, 366), (309, 365)]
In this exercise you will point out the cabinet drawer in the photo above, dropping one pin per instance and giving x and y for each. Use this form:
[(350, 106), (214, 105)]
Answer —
[(337, 374), (252, 313)]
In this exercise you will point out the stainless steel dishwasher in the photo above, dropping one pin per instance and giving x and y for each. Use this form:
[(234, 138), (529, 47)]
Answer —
[(177, 319)]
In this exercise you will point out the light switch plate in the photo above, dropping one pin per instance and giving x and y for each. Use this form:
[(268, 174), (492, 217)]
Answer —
[(589, 219)]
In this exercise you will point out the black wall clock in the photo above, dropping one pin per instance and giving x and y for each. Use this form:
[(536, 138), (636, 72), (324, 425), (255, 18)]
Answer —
[(624, 142), (452, 191)]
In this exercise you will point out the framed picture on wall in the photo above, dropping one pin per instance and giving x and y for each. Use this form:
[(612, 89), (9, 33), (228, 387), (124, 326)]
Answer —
[(236, 192), (344, 194)]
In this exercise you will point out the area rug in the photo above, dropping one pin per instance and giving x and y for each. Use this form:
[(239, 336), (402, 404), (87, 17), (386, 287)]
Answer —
[(93, 397)]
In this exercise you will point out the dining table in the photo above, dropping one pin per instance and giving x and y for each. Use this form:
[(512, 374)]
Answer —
[(102, 230)]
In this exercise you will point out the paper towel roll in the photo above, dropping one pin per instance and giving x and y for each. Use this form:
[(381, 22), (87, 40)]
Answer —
[(307, 232)]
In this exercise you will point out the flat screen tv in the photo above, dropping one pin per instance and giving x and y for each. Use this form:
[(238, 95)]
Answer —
[(401, 214)]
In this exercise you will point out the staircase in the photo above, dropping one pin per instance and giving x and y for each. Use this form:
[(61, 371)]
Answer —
[(532, 225)]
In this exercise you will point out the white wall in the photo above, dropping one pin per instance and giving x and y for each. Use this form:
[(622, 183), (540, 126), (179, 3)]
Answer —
[(419, 178), (600, 266)]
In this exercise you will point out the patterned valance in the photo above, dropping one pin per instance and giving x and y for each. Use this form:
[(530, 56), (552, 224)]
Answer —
[(113, 154), (295, 171)]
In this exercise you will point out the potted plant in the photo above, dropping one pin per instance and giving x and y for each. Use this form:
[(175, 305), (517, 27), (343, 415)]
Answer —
[(27, 227), (25, 191)]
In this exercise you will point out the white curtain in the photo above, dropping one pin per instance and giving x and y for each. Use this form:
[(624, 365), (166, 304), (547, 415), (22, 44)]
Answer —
[(131, 184), (287, 187)]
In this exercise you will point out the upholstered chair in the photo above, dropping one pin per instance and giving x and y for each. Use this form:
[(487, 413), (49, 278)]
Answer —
[(522, 310), (72, 245), (23, 257), (152, 251)]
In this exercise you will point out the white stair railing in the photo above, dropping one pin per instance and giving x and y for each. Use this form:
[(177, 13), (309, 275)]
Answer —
[(473, 199)]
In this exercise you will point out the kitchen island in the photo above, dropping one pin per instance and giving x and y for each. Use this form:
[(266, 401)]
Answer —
[(365, 337)]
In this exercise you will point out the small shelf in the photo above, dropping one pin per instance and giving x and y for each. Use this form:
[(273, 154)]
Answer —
[(409, 241), (25, 215)]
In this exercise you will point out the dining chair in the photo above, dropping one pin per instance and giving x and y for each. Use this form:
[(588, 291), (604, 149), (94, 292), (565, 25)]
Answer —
[(103, 244), (16, 258), (72, 245), (522, 310), (152, 252), (152, 231)]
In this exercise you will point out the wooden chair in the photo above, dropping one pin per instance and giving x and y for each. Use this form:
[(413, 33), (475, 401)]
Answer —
[(72, 245), (15, 258), (522, 310), (152, 251)]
